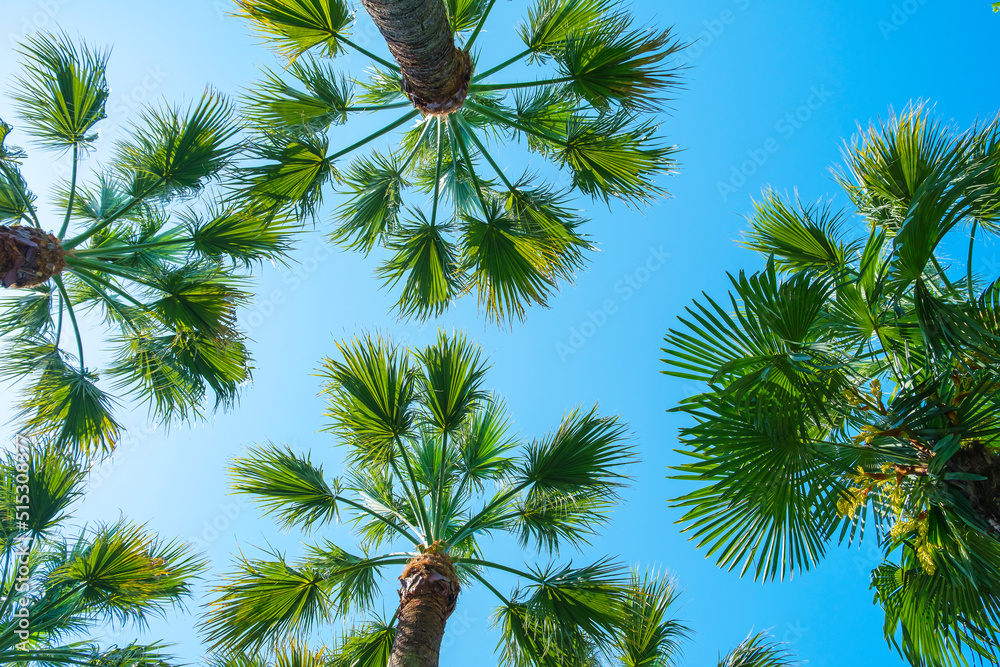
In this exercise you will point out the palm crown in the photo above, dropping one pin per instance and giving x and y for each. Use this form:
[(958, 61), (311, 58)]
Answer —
[(57, 589), (854, 383), (508, 238), (432, 469), (164, 278)]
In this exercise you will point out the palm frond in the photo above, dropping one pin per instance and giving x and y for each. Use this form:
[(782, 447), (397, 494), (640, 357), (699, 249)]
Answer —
[(428, 262), (63, 91), (758, 651), (175, 152), (614, 64), (801, 238), (510, 267), (649, 637), (551, 519), (551, 23), (125, 573), (371, 392), (16, 200), (66, 404), (353, 580), (199, 298), (296, 26), (223, 364), (148, 366), (484, 446), (465, 14), (375, 184), (452, 372), (292, 170), (276, 104), (263, 602), (286, 485), (365, 645), (587, 453), (381, 87), (29, 313), (240, 234), (54, 482), (612, 157)]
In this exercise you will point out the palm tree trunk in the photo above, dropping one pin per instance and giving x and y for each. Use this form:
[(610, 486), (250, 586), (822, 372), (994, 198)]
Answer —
[(984, 494), (435, 73), (427, 595), (28, 256)]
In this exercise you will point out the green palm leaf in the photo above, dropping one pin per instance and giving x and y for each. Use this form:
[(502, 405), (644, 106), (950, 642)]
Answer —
[(801, 238), (615, 64), (509, 266), (649, 638), (177, 152), (367, 645), (286, 485), (124, 573), (292, 174), (451, 381), (585, 454), (484, 446), (264, 600), (63, 91), (428, 261), (551, 23), (54, 482), (372, 211), (66, 404), (239, 234), (295, 26), (758, 651), (372, 390), (611, 157), (275, 103)]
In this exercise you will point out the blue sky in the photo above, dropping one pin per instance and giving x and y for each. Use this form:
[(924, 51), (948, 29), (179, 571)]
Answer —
[(772, 91)]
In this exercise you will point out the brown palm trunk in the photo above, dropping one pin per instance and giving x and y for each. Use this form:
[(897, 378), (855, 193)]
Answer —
[(427, 595), (28, 256), (435, 73), (983, 495)]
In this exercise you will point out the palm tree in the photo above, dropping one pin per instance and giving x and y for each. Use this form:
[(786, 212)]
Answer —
[(57, 589), (509, 238), (855, 383), (162, 277), (648, 637), (431, 469)]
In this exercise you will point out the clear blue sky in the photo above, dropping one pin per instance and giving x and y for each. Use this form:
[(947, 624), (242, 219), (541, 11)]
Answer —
[(772, 91)]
